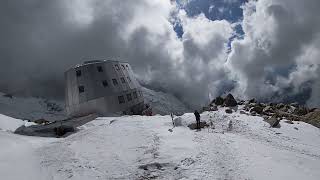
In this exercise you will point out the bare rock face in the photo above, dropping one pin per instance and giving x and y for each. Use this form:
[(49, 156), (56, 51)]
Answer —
[(230, 101)]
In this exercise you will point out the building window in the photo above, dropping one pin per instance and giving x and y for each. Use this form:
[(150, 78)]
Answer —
[(117, 67), (135, 95), (78, 73), (121, 99), (123, 67), (129, 79), (129, 97), (81, 89), (115, 82), (99, 68), (123, 80), (105, 83)]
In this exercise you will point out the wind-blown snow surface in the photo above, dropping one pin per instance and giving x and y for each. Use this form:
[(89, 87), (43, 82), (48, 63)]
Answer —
[(136, 147)]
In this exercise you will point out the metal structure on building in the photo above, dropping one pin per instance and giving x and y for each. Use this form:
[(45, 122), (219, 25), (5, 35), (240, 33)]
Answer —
[(104, 87)]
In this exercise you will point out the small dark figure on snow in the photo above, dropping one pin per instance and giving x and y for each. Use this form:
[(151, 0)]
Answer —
[(197, 115)]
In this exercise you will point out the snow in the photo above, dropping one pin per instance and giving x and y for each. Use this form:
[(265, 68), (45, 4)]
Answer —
[(141, 147), (11, 124)]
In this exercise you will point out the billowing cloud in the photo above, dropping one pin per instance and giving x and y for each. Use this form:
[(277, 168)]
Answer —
[(278, 59), (40, 40), (278, 55)]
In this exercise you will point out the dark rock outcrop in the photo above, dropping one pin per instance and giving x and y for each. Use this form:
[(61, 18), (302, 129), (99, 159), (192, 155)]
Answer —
[(230, 101), (229, 111), (274, 122), (218, 101)]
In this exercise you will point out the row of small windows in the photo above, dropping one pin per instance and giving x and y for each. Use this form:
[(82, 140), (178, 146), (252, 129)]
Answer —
[(122, 65), (105, 83), (100, 69), (79, 73), (121, 99)]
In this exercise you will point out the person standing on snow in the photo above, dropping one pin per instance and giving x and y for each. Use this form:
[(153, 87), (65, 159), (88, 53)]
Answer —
[(197, 115)]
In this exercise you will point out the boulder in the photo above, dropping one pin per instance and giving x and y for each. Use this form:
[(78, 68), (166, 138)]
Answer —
[(268, 110), (280, 105), (229, 111), (218, 101), (273, 121), (313, 118), (193, 126), (252, 101), (230, 101), (301, 111), (258, 109), (62, 130)]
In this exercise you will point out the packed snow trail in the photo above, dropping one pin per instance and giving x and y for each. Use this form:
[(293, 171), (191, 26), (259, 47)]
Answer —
[(140, 147)]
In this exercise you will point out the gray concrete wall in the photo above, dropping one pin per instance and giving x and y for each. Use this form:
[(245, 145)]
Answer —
[(96, 98)]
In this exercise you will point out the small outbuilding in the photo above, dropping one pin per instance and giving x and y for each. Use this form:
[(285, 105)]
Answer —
[(104, 87)]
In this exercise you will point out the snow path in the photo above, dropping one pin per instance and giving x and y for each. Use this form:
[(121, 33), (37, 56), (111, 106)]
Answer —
[(137, 147)]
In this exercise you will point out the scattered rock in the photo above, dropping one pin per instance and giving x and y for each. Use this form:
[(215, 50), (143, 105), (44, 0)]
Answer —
[(289, 122), (258, 109), (296, 128), (280, 105), (313, 118), (274, 122), (193, 126), (62, 130), (229, 111), (301, 111), (252, 101), (230, 101), (242, 112), (41, 121), (268, 110)]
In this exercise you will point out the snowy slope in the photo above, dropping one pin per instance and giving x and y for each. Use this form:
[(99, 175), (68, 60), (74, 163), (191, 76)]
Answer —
[(163, 103), (31, 108), (136, 147), (37, 108)]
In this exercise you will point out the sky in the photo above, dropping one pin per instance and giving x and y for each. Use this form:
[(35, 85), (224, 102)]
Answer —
[(193, 49)]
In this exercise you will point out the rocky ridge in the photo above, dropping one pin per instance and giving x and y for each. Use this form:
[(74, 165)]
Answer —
[(272, 113)]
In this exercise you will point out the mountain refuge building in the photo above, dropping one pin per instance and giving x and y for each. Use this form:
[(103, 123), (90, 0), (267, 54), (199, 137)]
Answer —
[(102, 86)]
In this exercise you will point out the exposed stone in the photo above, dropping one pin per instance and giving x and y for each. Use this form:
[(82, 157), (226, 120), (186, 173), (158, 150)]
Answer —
[(62, 130), (242, 112), (252, 100), (229, 111), (280, 105), (193, 126), (268, 110), (41, 121), (274, 122), (230, 101), (301, 111), (289, 122), (258, 109), (219, 101), (313, 118), (296, 128)]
